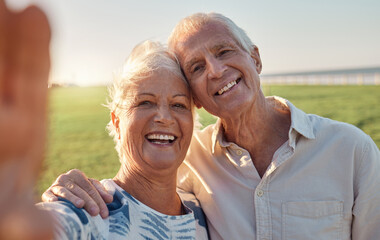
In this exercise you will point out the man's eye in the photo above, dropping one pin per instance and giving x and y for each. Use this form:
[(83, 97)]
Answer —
[(179, 105), (196, 68), (221, 53)]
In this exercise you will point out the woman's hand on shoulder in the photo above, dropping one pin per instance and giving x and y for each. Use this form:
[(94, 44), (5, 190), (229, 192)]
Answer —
[(83, 192)]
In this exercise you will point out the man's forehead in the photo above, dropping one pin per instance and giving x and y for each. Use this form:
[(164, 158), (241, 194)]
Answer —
[(194, 46)]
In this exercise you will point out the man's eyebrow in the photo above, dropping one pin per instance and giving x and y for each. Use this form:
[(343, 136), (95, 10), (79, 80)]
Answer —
[(190, 63), (180, 95), (221, 45)]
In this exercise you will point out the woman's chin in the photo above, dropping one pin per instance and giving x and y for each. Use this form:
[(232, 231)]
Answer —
[(161, 161)]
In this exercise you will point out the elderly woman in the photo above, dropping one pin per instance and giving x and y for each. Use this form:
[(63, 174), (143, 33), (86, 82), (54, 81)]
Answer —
[(152, 124)]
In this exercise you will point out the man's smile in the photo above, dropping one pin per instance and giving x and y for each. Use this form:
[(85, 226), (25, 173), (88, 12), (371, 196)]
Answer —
[(228, 87)]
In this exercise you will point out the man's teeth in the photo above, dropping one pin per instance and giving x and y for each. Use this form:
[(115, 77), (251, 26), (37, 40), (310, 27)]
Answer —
[(160, 137), (227, 87)]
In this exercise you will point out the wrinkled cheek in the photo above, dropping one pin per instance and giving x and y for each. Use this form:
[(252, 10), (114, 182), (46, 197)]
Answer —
[(129, 146)]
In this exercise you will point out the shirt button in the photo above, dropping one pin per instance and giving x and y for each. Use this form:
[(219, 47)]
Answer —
[(260, 193), (239, 152)]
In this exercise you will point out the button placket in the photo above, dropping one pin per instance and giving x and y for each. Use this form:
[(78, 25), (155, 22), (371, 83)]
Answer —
[(263, 218)]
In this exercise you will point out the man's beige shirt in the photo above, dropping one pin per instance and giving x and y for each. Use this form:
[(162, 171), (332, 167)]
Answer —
[(323, 183)]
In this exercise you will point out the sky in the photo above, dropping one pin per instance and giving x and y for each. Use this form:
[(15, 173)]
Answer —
[(92, 38)]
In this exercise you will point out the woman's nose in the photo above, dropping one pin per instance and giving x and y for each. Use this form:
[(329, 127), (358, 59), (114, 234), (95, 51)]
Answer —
[(164, 115)]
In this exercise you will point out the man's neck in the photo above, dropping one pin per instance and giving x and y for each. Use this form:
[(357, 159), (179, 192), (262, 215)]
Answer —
[(261, 131)]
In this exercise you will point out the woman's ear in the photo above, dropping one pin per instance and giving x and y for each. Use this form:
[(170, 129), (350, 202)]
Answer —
[(115, 122), (255, 55)]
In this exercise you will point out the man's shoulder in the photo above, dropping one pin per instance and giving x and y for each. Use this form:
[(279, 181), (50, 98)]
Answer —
[(204, 135), (323, 124), (206, 131), (346, 134), (202, 142)]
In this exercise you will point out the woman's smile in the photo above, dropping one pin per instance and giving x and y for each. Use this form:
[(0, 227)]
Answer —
[(161, 139)]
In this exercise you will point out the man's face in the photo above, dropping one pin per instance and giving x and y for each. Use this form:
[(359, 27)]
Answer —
[(224, 78)]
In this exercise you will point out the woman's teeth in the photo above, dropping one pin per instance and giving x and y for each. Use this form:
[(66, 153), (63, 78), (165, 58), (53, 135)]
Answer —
[(227, 87), (160, 138)]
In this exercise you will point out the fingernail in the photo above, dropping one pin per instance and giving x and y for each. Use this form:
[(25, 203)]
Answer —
[(104, 213), (93, 210), (78, 202)]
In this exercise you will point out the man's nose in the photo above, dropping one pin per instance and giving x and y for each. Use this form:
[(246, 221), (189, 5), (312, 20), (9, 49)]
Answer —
[(215, 68)]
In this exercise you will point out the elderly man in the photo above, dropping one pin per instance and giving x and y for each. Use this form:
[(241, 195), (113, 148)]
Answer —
[(265, 170)]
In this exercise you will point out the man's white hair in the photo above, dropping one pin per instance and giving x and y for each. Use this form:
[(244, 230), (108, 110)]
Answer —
[(196, 21)]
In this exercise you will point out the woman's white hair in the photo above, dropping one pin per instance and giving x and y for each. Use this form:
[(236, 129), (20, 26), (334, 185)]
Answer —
[(196, 21), (145, 59)]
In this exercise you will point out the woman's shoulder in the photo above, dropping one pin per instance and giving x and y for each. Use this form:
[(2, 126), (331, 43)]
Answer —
[(74, 223), (192, 204)]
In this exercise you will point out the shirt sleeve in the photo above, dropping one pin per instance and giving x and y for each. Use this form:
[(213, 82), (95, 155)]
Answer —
[(366, 210), (74, 223)]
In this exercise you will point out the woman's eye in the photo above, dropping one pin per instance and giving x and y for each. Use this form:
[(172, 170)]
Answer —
[(144, 103)]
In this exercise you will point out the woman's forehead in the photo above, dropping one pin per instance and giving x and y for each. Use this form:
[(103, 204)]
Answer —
[(159, 81)]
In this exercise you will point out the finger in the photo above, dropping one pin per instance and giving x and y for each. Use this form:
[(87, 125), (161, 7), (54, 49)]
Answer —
[(107, 197), (48, 196), (79, 178), (60, 191), (31, 66), (28, 56), (78, 184), (78, 196)]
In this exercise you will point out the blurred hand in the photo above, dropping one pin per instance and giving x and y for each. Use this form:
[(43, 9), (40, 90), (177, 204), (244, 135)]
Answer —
[(24, 71), (81, 191)]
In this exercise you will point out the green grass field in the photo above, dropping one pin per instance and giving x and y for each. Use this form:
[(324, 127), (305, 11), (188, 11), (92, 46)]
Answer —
[(78, 139)]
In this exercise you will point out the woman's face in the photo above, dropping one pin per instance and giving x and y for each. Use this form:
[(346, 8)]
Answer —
[(156, 127)]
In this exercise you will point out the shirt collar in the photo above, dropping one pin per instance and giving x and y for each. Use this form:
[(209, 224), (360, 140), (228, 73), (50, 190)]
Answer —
[(300, 121), (217, 135), (300, 124)]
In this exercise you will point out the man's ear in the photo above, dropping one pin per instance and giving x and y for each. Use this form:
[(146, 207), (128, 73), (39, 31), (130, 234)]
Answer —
[(115, 121), (255, 55), (196, 102)]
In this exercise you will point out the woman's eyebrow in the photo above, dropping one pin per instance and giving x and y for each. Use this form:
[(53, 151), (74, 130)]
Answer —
[(145, 94)]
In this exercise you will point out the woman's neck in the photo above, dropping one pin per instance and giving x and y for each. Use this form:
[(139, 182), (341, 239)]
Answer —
[(158, 193)]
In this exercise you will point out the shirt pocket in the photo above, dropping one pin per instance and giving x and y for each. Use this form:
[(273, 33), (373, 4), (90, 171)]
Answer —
[(312, 220)]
